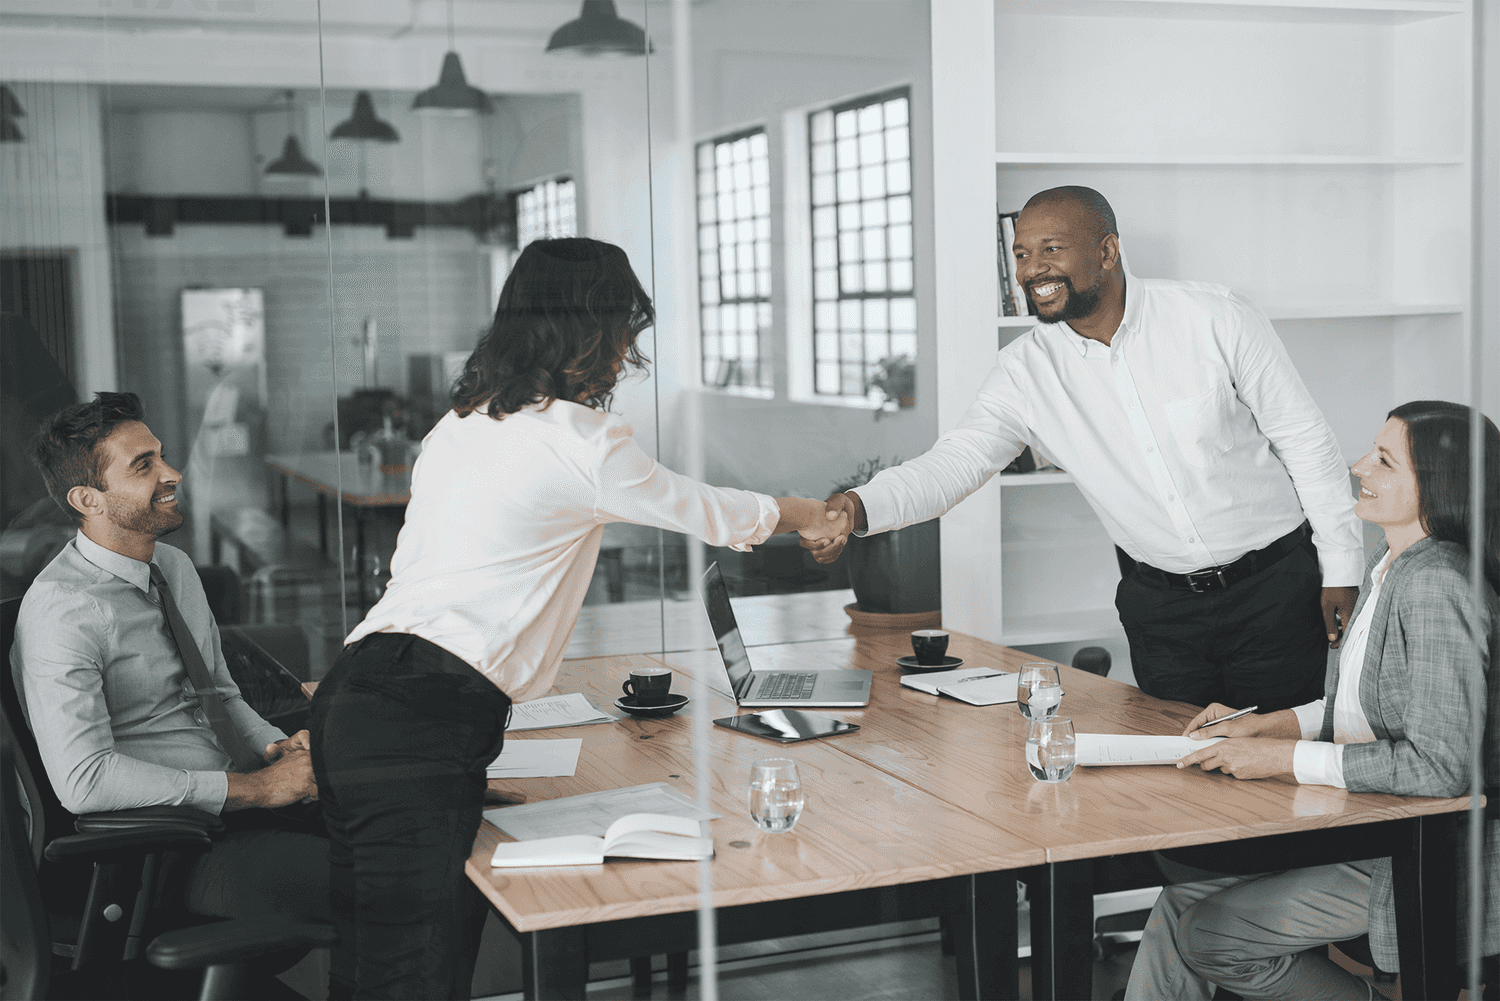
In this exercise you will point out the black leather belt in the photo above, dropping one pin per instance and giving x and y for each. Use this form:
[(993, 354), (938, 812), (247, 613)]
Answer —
[(1224, 577)]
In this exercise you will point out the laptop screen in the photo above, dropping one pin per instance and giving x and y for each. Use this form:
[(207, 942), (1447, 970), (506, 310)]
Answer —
[(726, 631)]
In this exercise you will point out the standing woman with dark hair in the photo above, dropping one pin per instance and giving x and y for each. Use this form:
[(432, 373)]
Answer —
[(1395, 718), (508, 502)]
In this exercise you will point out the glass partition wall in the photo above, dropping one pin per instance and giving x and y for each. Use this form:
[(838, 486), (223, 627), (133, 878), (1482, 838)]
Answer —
[(285, 226)]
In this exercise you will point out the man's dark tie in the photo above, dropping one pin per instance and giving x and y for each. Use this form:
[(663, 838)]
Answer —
[(245, 759)]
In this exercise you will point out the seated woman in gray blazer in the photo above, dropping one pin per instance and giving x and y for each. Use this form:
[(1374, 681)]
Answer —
[(1394, 719)]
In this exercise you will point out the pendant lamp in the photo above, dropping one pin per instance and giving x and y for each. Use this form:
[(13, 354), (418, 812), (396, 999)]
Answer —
[(363, 127), (362, 123), (599, 31), (292, 164), (10, 110), (452, 95)]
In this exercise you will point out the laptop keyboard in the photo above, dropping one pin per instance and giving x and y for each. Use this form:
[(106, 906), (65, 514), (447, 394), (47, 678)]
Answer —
[(786, 685)]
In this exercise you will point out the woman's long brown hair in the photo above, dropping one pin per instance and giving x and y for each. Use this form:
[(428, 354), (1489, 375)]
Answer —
[(565, 326)]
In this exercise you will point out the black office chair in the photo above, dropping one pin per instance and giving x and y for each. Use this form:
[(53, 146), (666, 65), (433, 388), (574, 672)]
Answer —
[(1093, 659), (29, 966)]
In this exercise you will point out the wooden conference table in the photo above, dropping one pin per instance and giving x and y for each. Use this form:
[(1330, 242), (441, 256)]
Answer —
[(342, 476), (928, 810)]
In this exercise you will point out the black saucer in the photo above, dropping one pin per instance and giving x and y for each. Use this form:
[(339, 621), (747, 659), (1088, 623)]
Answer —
[(947, 664), (634, 708)]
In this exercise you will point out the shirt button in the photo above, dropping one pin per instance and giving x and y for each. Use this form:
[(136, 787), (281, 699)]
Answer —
[(1150, 449), (1192, 538), (1171, 497)]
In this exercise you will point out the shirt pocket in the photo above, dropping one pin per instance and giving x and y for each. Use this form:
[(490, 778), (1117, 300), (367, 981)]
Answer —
[(1203, 425)]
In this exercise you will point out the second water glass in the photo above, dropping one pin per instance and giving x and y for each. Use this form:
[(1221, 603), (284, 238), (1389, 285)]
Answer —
[(775, 794), (1051, 749), (1038, 691)]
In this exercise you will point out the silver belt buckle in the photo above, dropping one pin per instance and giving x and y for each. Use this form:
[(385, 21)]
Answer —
[(1200, 581)]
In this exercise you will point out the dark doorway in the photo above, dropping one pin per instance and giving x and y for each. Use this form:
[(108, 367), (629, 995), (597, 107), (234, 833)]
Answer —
[(39, 287)]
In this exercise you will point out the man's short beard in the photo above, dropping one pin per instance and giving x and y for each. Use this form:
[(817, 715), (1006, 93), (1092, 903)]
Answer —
[(150, 521), (1078, 304)]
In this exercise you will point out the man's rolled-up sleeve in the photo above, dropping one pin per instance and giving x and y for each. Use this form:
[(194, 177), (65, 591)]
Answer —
[(58, 657)]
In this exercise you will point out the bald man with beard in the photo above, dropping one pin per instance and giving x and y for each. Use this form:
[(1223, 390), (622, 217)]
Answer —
[(1177, 412)]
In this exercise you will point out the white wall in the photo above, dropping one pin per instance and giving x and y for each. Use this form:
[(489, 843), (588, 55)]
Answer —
[(52, 198)]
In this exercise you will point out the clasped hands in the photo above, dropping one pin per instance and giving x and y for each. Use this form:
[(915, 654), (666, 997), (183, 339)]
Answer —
[(825, 527), (1257, 747)]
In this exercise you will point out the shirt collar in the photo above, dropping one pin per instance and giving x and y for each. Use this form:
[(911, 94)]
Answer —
[(1130, 321), (129, 570)]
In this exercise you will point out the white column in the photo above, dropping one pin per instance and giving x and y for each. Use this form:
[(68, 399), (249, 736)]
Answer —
[(963, 154)]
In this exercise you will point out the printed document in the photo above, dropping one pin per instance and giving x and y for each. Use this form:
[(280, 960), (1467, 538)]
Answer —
[(1135, 749), (572, 709)]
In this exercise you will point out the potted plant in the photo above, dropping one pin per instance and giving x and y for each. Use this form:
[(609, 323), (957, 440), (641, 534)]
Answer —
[(896, 378), (893, 573)]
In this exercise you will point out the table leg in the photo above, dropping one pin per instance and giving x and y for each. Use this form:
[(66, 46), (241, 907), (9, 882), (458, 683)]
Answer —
[(555, 964), (323, 524), (984, 938), (1062, 930), (1425, 879), (640, 976), (677, 974)]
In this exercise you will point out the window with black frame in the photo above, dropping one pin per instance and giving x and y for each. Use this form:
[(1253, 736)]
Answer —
[(734, 259), (864, 310)]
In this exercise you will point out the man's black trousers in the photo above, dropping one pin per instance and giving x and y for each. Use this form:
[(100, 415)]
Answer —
[(1260, 642)]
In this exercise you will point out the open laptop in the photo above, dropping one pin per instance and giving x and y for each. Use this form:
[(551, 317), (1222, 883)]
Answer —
[(754, 688)]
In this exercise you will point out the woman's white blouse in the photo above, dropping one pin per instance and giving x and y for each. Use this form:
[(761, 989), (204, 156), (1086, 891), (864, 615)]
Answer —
[(1316, 762), (503, 530)]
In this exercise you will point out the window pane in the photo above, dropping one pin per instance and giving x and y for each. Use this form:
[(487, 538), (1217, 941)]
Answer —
[(734, 217), (872, 157)]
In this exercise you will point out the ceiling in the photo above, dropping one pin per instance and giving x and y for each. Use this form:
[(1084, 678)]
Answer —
[(531, 20)]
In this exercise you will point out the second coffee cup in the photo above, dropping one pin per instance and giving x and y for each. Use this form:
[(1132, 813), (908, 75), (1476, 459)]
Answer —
[(930, 645), (650, 686)]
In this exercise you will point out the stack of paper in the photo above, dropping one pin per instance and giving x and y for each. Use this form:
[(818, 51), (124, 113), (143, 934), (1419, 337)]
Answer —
[(536, 759), (556, 710)]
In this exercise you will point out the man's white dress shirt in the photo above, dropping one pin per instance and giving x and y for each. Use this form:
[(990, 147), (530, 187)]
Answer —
[(1314, 761), (503, 530), (1191, 435)]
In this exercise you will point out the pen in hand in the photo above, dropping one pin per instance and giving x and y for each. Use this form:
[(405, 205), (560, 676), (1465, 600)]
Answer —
[(1226, 719)]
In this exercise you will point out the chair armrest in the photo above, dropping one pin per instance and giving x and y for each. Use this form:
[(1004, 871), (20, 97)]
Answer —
[(184, 818), (236, 940), (105, 846)]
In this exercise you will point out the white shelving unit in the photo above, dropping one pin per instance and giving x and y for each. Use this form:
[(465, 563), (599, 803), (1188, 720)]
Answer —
[(1314, 155)]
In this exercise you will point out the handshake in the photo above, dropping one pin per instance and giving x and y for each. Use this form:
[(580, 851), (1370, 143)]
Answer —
[(824, 526)]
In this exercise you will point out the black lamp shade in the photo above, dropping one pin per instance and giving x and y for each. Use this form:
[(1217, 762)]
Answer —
[(599, 31), (292, 163), (362, 123), (453, 93)]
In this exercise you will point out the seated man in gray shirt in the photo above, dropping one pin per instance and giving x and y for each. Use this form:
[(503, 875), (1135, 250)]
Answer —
[(108, 640)]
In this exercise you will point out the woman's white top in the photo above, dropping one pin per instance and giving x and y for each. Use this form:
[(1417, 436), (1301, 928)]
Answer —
[(1317, 762), (503, 530)]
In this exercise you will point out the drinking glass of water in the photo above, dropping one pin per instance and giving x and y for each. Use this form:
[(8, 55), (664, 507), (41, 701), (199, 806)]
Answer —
[(1051, 749), (1038, 691), (775, 794)]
